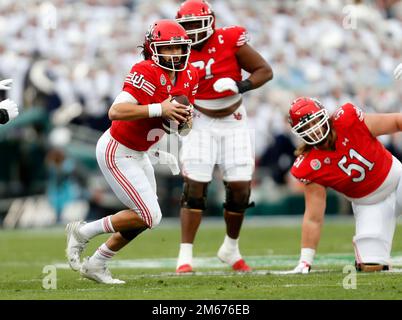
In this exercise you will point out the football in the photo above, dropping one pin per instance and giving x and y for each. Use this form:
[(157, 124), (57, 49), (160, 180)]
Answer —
[(171, 126)]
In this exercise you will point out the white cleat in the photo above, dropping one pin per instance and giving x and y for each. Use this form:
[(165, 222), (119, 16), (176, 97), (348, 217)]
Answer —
[(98, 273), (75, 244)]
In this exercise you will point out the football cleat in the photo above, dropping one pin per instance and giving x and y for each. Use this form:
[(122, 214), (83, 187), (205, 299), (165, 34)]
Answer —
[(371, 267), (98, 272), (75, 244), (303, 267), (241, 266), (184, 268), (233, 259)]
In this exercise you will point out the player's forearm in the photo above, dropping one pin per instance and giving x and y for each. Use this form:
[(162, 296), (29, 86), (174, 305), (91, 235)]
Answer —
[(128, 111), (260, 76)]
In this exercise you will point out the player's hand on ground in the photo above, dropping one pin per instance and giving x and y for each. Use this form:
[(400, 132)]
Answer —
[(302, 267), (398, 72), (5, 84), (11, 108), (174, 111), (225, 84)]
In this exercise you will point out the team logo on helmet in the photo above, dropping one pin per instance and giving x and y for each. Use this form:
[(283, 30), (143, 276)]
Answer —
[(315, 164)]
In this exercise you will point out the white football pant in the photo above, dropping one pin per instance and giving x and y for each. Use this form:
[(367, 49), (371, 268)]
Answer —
[(131, 176), (376, 216), (226, 141)]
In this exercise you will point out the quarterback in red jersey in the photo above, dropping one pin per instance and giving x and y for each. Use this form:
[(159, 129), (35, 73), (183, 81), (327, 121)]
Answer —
[(137, 116), (342, 152), (220, 135)]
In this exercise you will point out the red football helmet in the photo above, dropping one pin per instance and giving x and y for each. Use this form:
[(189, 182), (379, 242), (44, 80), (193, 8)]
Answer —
[(197, 11), (167, 33), (309, 120)]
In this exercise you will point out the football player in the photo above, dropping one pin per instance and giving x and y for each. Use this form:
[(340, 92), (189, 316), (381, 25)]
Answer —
[(137, 115), (220, 135), (8, 108), (342, 152)]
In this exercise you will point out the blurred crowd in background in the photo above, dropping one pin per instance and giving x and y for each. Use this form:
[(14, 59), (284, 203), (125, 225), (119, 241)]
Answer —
[(69, 58)]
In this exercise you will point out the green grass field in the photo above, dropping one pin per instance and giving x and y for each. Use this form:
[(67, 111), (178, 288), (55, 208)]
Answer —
[(148, 264)]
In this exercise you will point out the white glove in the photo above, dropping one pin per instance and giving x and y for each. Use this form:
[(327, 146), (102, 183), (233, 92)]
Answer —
[(398, 72), (11, 108), (163, 157), (225, 84), (303, 267), (4, 84)]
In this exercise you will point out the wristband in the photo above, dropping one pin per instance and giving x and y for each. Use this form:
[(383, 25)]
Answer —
[(154, 110), (244, 85), (307, 255)]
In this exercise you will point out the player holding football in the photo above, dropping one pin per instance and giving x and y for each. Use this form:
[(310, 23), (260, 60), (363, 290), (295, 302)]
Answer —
[(342, 152), (121, 151), (8, 108), (219, 134)]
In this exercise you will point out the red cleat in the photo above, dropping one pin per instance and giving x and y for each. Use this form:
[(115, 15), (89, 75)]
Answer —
[(241, 266), (184, 268)]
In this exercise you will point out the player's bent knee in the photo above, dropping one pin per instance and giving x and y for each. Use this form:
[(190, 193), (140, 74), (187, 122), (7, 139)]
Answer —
[(372, 249), (238, 196), (194, 195), (156, 218)]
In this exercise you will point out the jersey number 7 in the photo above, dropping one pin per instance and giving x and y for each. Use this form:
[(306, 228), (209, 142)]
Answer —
[(201, 65)]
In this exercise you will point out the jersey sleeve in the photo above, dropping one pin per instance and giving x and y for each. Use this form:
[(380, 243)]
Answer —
[(140, 83), (237, 36), (300, 171), (349, 114)]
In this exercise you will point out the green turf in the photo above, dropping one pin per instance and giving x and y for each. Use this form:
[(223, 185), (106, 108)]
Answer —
[(24, 253)]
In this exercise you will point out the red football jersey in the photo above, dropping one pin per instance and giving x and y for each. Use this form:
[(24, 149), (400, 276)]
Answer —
[(217, 60), (359, 164), (149, 83)]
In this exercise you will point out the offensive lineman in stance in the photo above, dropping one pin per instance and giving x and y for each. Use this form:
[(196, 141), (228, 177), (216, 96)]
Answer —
[(121, 151), (219, 134), (342, 152)]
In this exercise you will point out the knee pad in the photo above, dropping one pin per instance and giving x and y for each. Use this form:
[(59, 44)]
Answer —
[(194, 195), (131, 234), (371, 249), (238, 196)]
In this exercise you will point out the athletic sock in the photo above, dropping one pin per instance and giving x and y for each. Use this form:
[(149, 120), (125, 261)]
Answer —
[(229, 250), (102, 255), (185, 254), (92, 229)]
